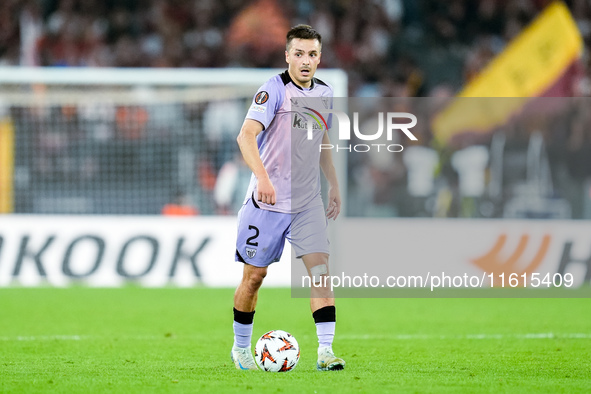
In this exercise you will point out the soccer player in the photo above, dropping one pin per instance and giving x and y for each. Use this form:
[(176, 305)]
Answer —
[(277, 205)]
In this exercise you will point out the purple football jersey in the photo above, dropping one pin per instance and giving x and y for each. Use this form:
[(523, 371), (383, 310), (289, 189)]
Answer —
[(290, 158)]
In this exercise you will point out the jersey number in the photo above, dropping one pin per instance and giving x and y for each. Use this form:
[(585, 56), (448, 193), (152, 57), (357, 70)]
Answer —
[(249, 241)]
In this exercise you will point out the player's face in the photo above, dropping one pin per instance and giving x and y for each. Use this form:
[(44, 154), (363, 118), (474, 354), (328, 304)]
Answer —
[(303, 57)]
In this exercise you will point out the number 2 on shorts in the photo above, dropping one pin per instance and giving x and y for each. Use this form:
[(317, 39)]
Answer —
[(249, 241)]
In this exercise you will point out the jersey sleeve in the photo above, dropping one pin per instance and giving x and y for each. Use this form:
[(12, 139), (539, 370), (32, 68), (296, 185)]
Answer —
[(267, 102)]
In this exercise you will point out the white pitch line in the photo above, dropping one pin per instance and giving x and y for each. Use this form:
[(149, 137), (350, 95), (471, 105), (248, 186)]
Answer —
[(44, 338), (402, 337), (397, 337), (77, 337)]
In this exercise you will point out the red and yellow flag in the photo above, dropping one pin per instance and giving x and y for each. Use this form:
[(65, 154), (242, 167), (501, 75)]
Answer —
[(529, 67)]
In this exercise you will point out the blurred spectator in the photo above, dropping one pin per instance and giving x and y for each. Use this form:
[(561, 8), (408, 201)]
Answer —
[(131, 122), (10, 34), (180, 206), (231, 185), (258, 33), (31, 29)]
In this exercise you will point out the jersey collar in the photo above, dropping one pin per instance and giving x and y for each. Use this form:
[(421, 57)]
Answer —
[(286, 78)]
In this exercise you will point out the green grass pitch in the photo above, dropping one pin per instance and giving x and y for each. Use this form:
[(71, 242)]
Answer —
[(85, 340)]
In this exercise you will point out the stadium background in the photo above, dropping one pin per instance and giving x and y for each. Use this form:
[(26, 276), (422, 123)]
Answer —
[(84, 191), (125, 159)]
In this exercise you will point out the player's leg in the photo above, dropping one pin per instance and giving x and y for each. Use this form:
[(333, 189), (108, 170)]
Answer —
[(245, 299), (260, 241), (317, 266), (323, 309), (308, 235)]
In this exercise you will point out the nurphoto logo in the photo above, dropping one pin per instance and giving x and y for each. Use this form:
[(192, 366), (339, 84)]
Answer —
[(390, 119)]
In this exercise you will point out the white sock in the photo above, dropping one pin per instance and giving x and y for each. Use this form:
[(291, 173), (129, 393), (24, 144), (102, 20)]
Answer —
[(325, 332), (242, 334)]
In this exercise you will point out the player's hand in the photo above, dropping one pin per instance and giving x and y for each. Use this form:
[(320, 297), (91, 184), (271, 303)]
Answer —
[(334, 203), (266, 191)]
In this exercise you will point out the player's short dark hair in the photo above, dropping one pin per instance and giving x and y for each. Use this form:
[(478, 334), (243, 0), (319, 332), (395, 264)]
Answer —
[(304, 32)]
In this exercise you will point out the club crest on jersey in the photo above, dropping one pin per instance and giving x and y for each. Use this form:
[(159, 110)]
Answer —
[(261, 97), (250, 252)]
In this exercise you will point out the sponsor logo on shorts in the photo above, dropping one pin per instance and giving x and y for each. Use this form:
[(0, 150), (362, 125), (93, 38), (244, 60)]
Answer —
[(250, 252)]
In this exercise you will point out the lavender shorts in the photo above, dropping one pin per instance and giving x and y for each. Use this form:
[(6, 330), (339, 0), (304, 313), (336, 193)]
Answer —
[(262, 233)]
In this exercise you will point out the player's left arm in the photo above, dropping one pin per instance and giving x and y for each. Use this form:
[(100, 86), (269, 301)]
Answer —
[(334, 196)]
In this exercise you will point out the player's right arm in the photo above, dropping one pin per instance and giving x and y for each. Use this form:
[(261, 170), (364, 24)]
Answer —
[(247, 141)]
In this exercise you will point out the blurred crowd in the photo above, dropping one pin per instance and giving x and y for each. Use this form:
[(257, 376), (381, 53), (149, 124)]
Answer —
[(389, 48)]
